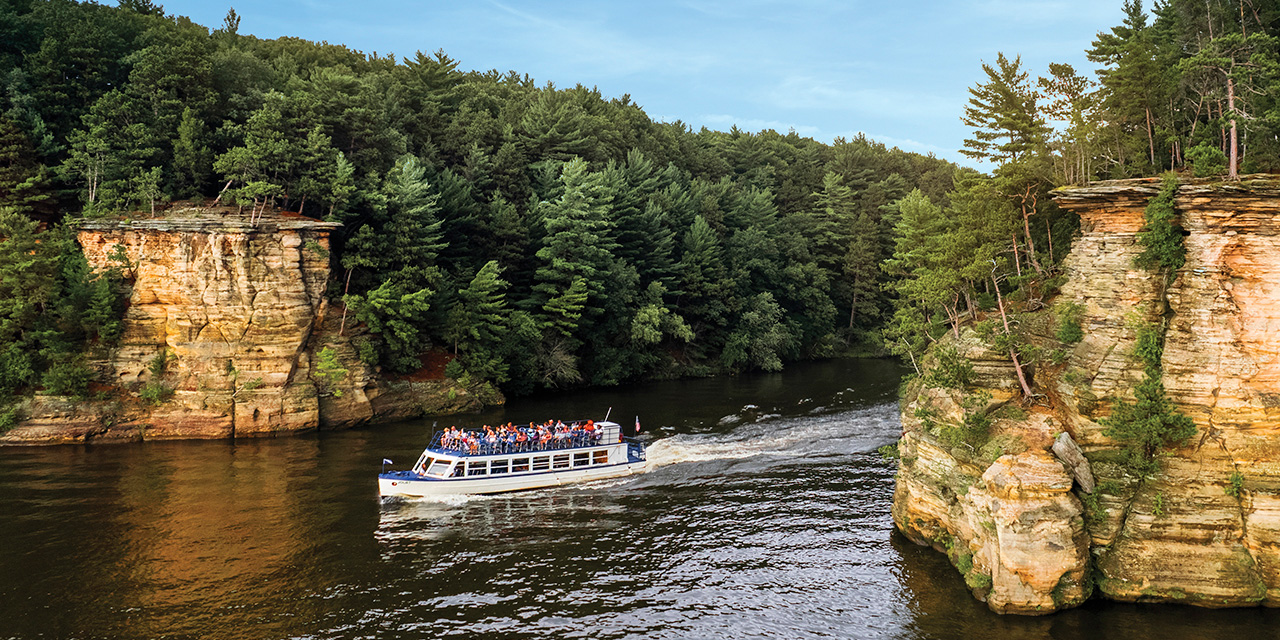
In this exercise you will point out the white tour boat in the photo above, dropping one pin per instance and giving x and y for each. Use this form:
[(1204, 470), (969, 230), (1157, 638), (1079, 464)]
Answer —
[(454, 465)]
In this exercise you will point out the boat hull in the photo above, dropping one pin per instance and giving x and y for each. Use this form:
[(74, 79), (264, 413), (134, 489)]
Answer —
[(401, 484)]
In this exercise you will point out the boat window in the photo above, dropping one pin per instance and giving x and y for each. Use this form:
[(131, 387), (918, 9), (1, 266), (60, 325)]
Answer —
[(438, 468), (541, 463), (477, 468), (519, 464), (581, 459), (561, 461), (600, 457), (498, 466)]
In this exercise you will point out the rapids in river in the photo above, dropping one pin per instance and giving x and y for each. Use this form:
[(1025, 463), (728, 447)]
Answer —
[(764, 514)]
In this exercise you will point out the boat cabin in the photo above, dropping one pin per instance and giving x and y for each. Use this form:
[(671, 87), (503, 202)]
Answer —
[(440, 462)]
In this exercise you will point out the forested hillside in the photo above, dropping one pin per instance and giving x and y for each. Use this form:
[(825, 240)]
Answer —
[(1190, 88), (549, 237), (553, 237)]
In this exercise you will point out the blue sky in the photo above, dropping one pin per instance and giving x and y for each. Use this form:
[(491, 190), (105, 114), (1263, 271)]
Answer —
[(896, 71)]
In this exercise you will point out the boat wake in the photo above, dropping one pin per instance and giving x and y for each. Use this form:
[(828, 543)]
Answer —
[(844, 433)]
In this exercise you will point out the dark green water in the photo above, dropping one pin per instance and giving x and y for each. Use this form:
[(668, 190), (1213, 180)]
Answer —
[(765, 515)]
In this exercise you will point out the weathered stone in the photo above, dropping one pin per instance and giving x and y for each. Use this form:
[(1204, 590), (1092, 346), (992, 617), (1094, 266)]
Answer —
[(1070, 454), (240, 311), (1190, 534)]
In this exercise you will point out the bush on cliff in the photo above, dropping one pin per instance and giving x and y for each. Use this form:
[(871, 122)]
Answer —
[(1150, 423), (1161, 236)]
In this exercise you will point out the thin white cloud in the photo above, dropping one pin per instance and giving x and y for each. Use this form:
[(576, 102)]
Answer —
[(803, 92), (725, 121), (595, 49)]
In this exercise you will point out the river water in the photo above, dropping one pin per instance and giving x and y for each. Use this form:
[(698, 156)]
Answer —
[(764, 515)]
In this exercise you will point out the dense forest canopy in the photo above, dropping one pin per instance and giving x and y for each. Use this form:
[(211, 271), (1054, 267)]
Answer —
[(552, 237)]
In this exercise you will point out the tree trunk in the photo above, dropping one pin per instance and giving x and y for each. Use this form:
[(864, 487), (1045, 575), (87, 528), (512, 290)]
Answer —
[(347, 287), (1151, 138), (1049, 231), (1017, 259), (1233, 161), (219, 198), (1013, 354)]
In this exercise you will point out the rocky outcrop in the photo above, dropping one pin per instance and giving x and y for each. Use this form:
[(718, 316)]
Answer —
[(236, 312), (1206, 528)]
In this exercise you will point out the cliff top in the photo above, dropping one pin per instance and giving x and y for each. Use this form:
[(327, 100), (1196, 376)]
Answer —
[(1257, 184), (189, 217)]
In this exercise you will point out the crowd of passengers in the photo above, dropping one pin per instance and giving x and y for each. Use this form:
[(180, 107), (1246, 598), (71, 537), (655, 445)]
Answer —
[(508, 438)]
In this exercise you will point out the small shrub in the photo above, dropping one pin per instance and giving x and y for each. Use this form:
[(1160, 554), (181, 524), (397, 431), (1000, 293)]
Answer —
[(454, 370), (1093, 505), (1207, 160), (952, 371), (1235, 488), (1069, 329), (67, 378), (927, 417), (316, 248), (155, 393), (9, 418), (330, 372), (985, 301), (977, 580), (1157, 505), (889, 451), (1150, 423), (255, 383), (158, 364)]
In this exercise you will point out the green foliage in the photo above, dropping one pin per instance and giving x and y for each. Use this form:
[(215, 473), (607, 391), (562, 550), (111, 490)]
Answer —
[(68, 377), (398, 315), (951, 371), (330, 372), (1149, 424), (454, 370), (1093, 505), (155, 393), (1235, 485), (623, 248), (1157, 504), (889, 451), (1161, 236), (978, 581), (10, 416), (1207, 160), (1068, 316), (157, 365)]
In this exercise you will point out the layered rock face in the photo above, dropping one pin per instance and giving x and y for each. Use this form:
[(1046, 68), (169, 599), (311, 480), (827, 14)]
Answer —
[(237, 312), (233, 305), (1206, 528)]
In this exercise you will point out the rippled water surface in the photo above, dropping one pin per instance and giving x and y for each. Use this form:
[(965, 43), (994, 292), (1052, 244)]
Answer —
[(764, 515)]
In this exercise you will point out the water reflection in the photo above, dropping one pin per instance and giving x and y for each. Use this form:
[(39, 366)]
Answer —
[(764, 514)]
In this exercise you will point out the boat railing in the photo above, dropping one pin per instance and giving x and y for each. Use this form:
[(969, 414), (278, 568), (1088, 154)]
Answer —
[(482, 447), (635, 449)]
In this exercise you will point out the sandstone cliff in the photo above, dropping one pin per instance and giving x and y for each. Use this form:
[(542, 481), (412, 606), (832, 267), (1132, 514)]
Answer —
[(238, 313), (1206, 528)]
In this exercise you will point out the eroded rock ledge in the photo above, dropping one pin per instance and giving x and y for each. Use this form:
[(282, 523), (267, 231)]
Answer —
[(240, 310), (1190, 534)]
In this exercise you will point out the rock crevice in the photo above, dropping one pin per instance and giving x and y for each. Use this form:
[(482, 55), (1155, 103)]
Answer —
[(1179, 536)]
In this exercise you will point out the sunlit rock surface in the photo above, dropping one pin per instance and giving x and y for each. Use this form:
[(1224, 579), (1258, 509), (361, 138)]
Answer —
[(241, 312), (1186, 535)]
